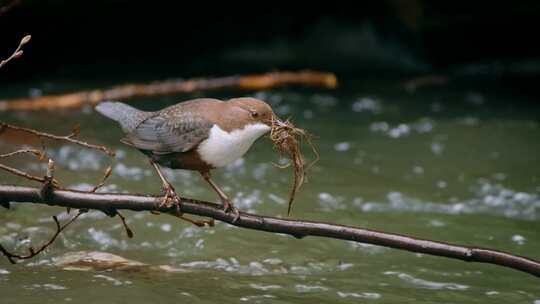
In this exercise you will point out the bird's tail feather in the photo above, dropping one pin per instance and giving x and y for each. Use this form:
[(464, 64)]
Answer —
[(127, 116)]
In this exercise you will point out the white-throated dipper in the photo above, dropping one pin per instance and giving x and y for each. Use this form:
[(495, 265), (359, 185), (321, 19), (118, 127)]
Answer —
[(200, 135)]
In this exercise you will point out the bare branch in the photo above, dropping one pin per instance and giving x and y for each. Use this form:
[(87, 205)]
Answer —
[(68, 138), (296, 228), (18, 52)]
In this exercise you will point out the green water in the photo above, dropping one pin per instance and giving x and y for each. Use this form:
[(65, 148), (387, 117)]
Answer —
[(458, 163)]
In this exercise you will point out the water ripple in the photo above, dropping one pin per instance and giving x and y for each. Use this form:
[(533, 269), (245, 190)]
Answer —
[(367, 104), (231, 265), (264, 287), (310, 288), (488, 198), (75, 158), (421, 126), (363, 295), (425, 283), (114, 281), (105, 240), (257, 297), (47, 286)]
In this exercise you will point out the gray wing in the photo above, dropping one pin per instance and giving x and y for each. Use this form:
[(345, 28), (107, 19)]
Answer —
[(169, 132)]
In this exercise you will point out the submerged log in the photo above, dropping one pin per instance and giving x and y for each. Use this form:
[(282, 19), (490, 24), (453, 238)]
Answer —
[(169, 87)]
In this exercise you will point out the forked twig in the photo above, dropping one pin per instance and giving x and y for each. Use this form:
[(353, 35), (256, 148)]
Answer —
[(39, 154), (32, 252)]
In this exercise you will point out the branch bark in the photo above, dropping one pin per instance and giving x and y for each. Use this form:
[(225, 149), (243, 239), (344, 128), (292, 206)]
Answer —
[(93, 97), (108, 202)]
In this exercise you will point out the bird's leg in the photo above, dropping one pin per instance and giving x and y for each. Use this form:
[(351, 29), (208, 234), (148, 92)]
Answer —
[(227, 205), (170, 197)]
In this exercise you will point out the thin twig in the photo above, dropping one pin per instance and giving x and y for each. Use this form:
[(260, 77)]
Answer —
[(69, 138), (22, 173), (32, 252), (106, 175), (198, 223), (18, 52), (38, 153), (129, 232)]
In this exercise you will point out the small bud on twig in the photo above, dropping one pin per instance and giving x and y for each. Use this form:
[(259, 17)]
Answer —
[(25, 39), (18, 51), (75, 131)]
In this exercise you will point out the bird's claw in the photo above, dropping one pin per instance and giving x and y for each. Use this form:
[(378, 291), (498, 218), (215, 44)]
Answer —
[(170, 198), (228, 207)]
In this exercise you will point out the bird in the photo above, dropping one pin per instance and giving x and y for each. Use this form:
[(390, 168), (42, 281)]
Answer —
[(199, 135)]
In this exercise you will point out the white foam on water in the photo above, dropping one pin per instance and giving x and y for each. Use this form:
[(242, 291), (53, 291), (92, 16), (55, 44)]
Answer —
[(488, 198), (425, 283), (362, 295), (264, 287), (310, 288)]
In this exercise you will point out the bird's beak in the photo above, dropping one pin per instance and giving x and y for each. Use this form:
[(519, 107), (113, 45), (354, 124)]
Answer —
[(273, 121)]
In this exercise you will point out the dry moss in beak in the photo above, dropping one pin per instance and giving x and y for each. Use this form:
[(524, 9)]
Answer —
[(288, 141)]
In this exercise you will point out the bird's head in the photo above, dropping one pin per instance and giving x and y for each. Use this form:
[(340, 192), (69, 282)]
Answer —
[(255, 110)]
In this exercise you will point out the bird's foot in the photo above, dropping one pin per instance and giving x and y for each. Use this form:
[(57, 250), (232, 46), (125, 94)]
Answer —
[(228, 207), (170, 198)]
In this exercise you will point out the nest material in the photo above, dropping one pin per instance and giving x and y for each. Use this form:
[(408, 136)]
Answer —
[(288, 141)]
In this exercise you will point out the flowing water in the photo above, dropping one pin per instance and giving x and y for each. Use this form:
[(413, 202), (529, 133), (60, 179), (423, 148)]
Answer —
[(458, 163)]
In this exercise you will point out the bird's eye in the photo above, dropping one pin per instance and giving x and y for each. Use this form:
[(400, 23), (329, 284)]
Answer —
[(254, 114)]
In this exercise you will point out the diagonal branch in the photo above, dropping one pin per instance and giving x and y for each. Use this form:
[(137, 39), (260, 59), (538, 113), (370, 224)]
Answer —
[(297, 228), (20, 173), (68, 138)]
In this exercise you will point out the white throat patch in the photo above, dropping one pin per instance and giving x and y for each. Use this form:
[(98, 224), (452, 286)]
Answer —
[(222, 148)]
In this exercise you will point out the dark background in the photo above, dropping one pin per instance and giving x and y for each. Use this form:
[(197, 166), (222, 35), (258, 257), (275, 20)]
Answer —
[(120, 38)]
